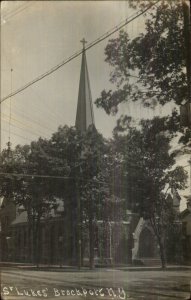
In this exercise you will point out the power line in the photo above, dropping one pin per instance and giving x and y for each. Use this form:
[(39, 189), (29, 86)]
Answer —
[(31, 130), (13, 11), (52, 118), (18, 135), (11, 14), (24, 129), (55, 177), (53, 115), (34, 175), (29, 125), (28, 120), (95, 42)]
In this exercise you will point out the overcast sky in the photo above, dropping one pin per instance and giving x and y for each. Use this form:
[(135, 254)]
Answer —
[(36, 36)]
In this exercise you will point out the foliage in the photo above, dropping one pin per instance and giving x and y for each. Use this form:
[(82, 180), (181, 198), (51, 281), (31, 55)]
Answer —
[(149, 173), (157, 57), (71, 166), (149, 68), (134, 171)]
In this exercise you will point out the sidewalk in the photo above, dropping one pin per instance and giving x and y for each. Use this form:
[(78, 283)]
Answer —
[(58, 268)]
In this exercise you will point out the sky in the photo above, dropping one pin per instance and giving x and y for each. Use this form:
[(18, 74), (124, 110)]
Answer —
[(36, 36)]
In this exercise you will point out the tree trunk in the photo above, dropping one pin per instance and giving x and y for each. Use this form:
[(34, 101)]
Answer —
[(35, 245), (91, 238), (36, 242), (82, 250), (162, 252), (161, 244), (29, 243), (30, 249), (91, 244), (33, 241)]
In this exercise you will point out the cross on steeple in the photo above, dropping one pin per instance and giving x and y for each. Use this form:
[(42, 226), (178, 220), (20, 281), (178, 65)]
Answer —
[(83, 41)]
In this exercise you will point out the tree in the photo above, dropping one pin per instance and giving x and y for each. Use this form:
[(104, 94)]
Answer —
[(28, 188), (66, 145), (151, 69), (94, 183), (72, 166), (82, 153), (157, 57), (150, 175)]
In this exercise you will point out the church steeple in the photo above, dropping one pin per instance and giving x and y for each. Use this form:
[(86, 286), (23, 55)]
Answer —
[(84, 115)]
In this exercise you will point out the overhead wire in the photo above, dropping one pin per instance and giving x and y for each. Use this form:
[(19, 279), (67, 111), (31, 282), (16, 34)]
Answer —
[(29, 124), (24, 124), (89, 46), (13, 11), (53, 176), (16, 134), (18, 112), (92, 45), (33, 175), (53, 115), (53, 70), (9, 15), (24, 129)]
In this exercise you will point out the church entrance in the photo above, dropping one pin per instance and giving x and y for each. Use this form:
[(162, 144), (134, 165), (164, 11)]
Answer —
[(146, 244)]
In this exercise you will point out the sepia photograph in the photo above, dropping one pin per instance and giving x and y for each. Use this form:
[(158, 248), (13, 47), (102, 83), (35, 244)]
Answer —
[(95, 150)]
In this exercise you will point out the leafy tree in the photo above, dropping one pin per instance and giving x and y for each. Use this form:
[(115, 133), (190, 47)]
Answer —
[(87, 192), (151, 69), (72, 166), (150, 175), (94, 183), (33, 193), (157, 57), (66, 145)]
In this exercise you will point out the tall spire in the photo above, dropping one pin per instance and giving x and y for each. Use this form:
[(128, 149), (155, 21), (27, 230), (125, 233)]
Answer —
[(84, 115)]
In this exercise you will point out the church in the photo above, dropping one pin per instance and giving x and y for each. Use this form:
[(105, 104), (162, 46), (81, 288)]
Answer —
[(129, 241)]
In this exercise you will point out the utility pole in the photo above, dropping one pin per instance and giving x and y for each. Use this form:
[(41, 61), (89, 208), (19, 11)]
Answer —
[(79, 234), (79, 224)]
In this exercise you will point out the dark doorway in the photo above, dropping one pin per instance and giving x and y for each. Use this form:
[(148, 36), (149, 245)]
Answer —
[(146, 244)]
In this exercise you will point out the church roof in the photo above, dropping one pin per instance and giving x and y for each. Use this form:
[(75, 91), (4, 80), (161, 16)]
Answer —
[(20, 219), (84, 115)]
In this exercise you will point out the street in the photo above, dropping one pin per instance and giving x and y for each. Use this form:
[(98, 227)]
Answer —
[(98, 284)]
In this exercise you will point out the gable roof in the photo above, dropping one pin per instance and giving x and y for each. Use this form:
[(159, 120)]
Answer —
[(20, 219)]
